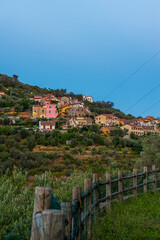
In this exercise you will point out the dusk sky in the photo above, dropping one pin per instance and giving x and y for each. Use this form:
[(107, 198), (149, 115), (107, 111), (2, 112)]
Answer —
[(85, 46)]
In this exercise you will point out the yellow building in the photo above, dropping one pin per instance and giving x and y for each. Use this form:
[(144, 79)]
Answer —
[(39, 111), (137, 130), (107, 119), (2, 93), (62, 110)]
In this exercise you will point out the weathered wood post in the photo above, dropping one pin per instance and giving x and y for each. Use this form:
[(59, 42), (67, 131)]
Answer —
[(108, 190), (42, 201), (53, 225), (135, 183), (67, 209), (154, 178), (145, 179), (120, 185), (87, 206), (96, 194), (76, 195)]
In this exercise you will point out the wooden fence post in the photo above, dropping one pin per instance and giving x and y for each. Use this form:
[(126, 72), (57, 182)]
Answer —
[(145, 179), (67, 209), (42, 201), (135, 183), (154, 178), (76, 195), (120, 185), (87, 206), (53, 225), (108, 190), (96, 194)]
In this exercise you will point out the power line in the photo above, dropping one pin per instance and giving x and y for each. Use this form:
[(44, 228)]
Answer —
[(150, 107), (143, 97), (130, 76)]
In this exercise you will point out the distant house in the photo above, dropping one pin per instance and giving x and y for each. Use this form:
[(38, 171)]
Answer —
[(46, 110), (77, 111), (41, 98), (107, 130), (153, 120), (74, 110), (47, 126), (39, 111), (138, 130), (2, 93), (80, 121), (51, 109), (107, 120), (64, 101), (62, 110), (88, 98)]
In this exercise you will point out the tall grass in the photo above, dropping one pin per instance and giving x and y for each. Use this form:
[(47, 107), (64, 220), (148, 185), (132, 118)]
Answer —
[(133, 219)]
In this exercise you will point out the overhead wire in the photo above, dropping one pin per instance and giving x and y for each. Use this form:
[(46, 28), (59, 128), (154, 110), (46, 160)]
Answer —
[(153, 105), (138, 101), (134, 73)]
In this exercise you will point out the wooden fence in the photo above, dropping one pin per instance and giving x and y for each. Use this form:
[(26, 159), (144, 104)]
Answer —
[(76, 220)]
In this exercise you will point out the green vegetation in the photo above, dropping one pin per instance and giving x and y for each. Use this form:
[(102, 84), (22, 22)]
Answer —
[(46, 160), (18, 95), (135, 219), (16, 199), (23, 146)]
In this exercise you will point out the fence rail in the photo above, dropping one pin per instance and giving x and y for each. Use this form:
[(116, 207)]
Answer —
[(81, 213)]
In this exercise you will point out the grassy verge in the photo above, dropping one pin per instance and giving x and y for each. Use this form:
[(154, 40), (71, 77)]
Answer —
[(135, 219)]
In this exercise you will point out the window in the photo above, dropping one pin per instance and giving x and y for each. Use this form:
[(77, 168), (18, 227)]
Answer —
[(49, 106), (49, 111), (35, 111), (42, 111)]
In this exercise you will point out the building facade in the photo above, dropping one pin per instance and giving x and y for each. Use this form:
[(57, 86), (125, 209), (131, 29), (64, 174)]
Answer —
[(77, 111), (80, 121), (51, 110), (88, 98), (39, 111), (107, 119), (47, 126)]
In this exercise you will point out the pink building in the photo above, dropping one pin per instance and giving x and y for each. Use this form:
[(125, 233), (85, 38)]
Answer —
[(51, 110)]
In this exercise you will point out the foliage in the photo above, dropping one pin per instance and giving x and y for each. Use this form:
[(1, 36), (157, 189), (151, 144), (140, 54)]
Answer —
[(133, 219), (150, 151), (16, 202)]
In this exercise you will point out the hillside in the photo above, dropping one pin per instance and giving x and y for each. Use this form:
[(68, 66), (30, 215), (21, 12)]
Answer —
[(18, 97)]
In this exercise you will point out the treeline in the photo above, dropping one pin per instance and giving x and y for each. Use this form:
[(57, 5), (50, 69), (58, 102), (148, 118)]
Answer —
[(107, 108)]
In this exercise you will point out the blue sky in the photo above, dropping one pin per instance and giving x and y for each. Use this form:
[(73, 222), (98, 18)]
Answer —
[(88, 47)]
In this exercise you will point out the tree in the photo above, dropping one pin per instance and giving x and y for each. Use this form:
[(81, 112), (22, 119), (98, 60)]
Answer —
[(150, 151), (6, 121), (18, 108)]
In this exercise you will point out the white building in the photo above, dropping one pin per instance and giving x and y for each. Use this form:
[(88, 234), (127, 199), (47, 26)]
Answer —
[(88, 98), (47, 126)]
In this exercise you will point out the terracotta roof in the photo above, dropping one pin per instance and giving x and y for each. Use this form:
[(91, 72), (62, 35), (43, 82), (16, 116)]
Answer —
[(111, 128), (48, 123), (38, 105), (83, 118), (130, 121)]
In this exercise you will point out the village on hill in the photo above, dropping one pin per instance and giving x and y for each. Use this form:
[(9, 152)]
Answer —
[(75, 113)]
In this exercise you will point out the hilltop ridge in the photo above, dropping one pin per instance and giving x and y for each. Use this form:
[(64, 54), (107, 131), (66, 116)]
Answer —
[(18, 96)]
